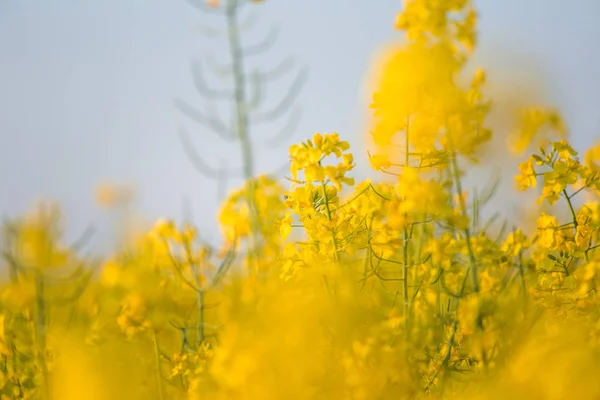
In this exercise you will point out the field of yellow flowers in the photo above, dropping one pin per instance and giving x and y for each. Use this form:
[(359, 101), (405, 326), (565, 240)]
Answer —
[(327, 288)]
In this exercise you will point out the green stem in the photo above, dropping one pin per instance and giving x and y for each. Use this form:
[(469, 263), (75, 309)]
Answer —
[(242, 127), (368, 256), (522, 277), (40, 332), (447, 355), (406, 237), (574, 217), (405, 243), (330, 217), (466, 230), (199, 294), (157, 366)]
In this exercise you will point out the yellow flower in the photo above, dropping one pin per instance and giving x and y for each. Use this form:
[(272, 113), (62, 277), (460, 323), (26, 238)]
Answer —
[(534, 122), (592, 156), (110, 273), (379, 162), (527, 177), (164, 228), (421, 196), (547, 226), (515, 242), (564, 149), (556, 181), (286, 225), (314, 173)]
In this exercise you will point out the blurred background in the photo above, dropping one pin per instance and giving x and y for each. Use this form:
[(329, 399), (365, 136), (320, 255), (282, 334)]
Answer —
[(87, 91)]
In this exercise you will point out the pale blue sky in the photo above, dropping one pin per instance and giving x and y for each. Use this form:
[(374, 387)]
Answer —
[(87, 88)]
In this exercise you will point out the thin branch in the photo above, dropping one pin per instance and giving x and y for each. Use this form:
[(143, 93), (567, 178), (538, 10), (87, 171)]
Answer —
[(377, 193), (277, 72), (256, 87), (177, 267), (225, 264), (502, 231), (354, 198), (198, 162), (209, 31), (288, 100), (78, 272), (83, 239), (490, 191), (264, 46), (78, 292), (381, 258), (249, 22), (203, 88), (220, 71), (211, 122), (14, 264)]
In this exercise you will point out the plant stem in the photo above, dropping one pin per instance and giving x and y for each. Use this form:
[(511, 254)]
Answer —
[(40, 332), (242, 127), (406, 240), (466, 230), (329, 217), (199, 294), (157, 365), (574, 217)]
